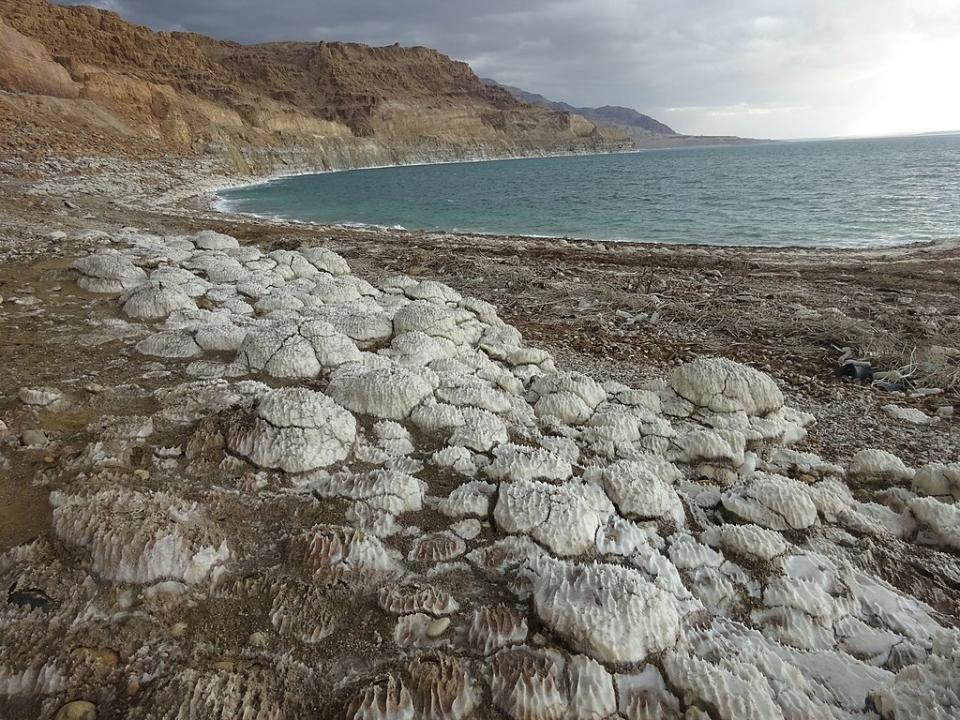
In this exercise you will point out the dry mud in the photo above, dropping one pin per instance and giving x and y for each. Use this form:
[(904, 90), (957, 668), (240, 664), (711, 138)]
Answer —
[(262, 470)]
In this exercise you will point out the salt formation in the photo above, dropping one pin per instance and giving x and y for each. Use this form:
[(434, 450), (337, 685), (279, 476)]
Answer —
[(295, 430), (103, 273), (495, 627), (871, 463), (608, 611), (938, 479), (296, 350), (385, 481), (641, 488), (565, 518), (407, 598), (333, 554), (773, 502), (140, 537), (389, 392), (724, 386), (40, 397), (155, 301)]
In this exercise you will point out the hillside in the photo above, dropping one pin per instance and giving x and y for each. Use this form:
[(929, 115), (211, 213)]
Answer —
[(76, 79), (644, 130)]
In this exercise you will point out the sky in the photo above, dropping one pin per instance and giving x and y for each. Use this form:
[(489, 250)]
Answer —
[(754, 68)]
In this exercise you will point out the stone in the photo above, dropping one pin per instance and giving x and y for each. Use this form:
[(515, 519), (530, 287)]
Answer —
[(34, 438), (77, 710), (911, 416)]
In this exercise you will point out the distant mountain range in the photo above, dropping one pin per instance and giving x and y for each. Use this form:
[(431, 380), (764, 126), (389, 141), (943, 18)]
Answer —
[(643, 129), (633, 123)]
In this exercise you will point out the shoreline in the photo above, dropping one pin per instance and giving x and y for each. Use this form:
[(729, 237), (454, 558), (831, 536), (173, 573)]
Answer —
[(213, 200)]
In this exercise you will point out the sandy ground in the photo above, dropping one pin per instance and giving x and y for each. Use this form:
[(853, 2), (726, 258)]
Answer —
[(617, 311)]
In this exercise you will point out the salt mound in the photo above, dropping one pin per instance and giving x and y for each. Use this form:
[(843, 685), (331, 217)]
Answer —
[(106, 273), (722, 385), (390, 393), (610, 612), (295, 430)]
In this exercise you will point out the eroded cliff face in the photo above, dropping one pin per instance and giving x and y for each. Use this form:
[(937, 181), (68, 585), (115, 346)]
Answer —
[(78, 79)]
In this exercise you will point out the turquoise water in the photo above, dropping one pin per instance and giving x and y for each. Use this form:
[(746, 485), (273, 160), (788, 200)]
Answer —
[(844, 193)]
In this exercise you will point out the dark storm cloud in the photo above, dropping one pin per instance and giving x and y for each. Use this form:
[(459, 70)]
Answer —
[(776, 68)]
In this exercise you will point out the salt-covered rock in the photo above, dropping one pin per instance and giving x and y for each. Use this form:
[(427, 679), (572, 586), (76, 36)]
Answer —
[(938, 479), (106, 273), (519, 462), (333, 554), (296, 350), (141, 537), (493, 627), (389, 393), (875, 464), (772, 501), (722, 385), (211, 240), (39, 396), (746, 539), (413, 597), (433, 291), (472, 498), (169, 344), (295, 430), (325, 259), (481, 431), (941, 519), (610, 612), (155, 301), (568, 397), (641, 488), (911, 416), (565, 518)]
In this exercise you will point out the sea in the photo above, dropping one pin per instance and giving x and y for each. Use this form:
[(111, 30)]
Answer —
[(829, 193)]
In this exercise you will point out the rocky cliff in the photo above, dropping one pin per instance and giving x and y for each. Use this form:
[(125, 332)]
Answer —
[(79, 79)]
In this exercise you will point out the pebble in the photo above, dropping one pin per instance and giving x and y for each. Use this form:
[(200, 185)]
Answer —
[(258, 639), (25, 301), (178, 630), (94, 388), (438, 627), (57, 235), (907, 415), (34, 438), (77, 710), (225, 665), (944, 411), (104, 656), (141, 474), (4, 430)]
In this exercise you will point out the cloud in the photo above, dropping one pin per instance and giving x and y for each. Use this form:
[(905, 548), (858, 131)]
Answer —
[(770, 68)]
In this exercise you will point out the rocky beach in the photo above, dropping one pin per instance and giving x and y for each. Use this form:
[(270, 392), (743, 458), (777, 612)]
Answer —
[(265, 469), (259, 469)]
